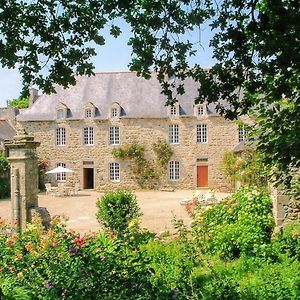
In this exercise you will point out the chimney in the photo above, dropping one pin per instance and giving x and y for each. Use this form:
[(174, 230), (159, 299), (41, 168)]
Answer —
[(33, 95)]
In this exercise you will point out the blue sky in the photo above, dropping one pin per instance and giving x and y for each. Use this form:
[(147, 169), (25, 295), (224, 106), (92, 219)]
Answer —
[(114, 56)]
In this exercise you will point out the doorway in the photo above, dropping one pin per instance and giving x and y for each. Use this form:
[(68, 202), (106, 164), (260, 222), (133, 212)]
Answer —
[(202, 176), (88, 178)]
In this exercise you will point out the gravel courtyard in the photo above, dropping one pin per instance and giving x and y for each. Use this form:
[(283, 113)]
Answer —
[(158, 208)]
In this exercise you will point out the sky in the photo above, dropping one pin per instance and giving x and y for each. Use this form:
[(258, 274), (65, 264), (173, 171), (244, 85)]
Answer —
[(114, 56)]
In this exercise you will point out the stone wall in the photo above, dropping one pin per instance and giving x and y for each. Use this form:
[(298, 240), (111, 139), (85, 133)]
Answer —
[(222, 136), (285, 207)]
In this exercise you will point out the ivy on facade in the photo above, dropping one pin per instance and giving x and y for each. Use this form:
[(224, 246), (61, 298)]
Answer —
[(146, 172)]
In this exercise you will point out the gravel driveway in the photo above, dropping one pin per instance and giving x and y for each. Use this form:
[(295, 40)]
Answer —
[(158, 208)]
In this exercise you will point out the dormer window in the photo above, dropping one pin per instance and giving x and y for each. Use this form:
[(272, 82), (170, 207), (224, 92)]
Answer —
[(61, 111), (88, 113), (114, 112), (60, 114), (89, 110), (200, 110), (174, 110)]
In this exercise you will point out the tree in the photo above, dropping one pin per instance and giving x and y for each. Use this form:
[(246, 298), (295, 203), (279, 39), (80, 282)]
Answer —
[(256, 45), (21, 102)]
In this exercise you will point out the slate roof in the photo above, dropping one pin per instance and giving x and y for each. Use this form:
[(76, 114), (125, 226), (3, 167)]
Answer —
[(138, 98), (6, 131)]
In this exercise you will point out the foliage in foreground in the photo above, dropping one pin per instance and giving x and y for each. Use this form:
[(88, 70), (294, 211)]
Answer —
[(60, 264), (239, 225)]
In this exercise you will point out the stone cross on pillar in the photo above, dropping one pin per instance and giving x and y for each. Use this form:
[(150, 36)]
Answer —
[(24, 176)]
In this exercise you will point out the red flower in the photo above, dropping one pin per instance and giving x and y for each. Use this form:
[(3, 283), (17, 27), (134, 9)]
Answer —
[(79, 241), (55, 243)]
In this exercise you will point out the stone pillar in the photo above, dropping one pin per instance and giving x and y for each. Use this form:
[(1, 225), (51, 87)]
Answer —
[(281, 206), (24, 176)]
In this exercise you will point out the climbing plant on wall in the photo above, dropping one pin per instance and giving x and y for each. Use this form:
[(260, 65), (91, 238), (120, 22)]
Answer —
[(147, 173), (141, 168), (163, 152)]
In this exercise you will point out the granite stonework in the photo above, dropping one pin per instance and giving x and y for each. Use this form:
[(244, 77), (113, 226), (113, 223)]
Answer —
[(24, 179), (222, 136), (142, 117)]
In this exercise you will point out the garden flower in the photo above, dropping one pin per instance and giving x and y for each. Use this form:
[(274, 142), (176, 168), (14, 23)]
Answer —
[(295, 234), (111, 234), (7, 231), (20, 275), (10, 243), (55, 243), (73, 250), (48, 285), (79, 241), (19, 256), (11, 269), (28, 247)]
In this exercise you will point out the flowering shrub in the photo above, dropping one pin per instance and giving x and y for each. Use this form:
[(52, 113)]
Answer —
[(238, 225), (60, 264), (198, 200)]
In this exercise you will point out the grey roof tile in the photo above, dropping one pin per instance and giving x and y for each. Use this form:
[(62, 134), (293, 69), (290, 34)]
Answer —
[(6, 131), (138, 97)]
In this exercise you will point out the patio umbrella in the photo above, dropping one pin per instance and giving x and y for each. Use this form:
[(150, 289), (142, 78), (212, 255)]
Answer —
[(60, 170)]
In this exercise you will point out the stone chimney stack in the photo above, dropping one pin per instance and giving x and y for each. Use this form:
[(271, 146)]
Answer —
[(33, 95)]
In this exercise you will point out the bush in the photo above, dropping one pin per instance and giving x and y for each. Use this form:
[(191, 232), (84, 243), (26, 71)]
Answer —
[(288, 241), (240, 225), (60, 264), (4, 188), (171, 268), (117, 209)]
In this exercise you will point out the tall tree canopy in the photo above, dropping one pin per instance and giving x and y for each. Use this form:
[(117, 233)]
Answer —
[(256, 45)]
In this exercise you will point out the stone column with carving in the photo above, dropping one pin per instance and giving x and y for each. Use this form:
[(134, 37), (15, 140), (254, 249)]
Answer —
[(24, 176)]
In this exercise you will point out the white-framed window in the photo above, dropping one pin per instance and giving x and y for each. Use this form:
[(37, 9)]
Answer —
[(61, 176), (242, 132), (174, 134), (202, 133), (88, 113), (114, 112), (60, 136), (88, 136), (174, 170), (173, 110), (114, 172), (60, 114), (200, 111), (114, 135)]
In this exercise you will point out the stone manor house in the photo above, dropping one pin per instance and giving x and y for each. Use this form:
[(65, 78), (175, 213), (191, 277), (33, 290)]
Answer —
[(79, 127)]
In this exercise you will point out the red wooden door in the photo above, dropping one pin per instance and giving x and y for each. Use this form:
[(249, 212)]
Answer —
[(202, 176)]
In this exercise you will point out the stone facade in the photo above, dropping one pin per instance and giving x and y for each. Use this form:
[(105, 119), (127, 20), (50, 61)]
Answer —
[(144, 124), (222, 136)]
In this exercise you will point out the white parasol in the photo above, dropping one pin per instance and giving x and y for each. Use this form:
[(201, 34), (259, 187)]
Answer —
[(60, 170)]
